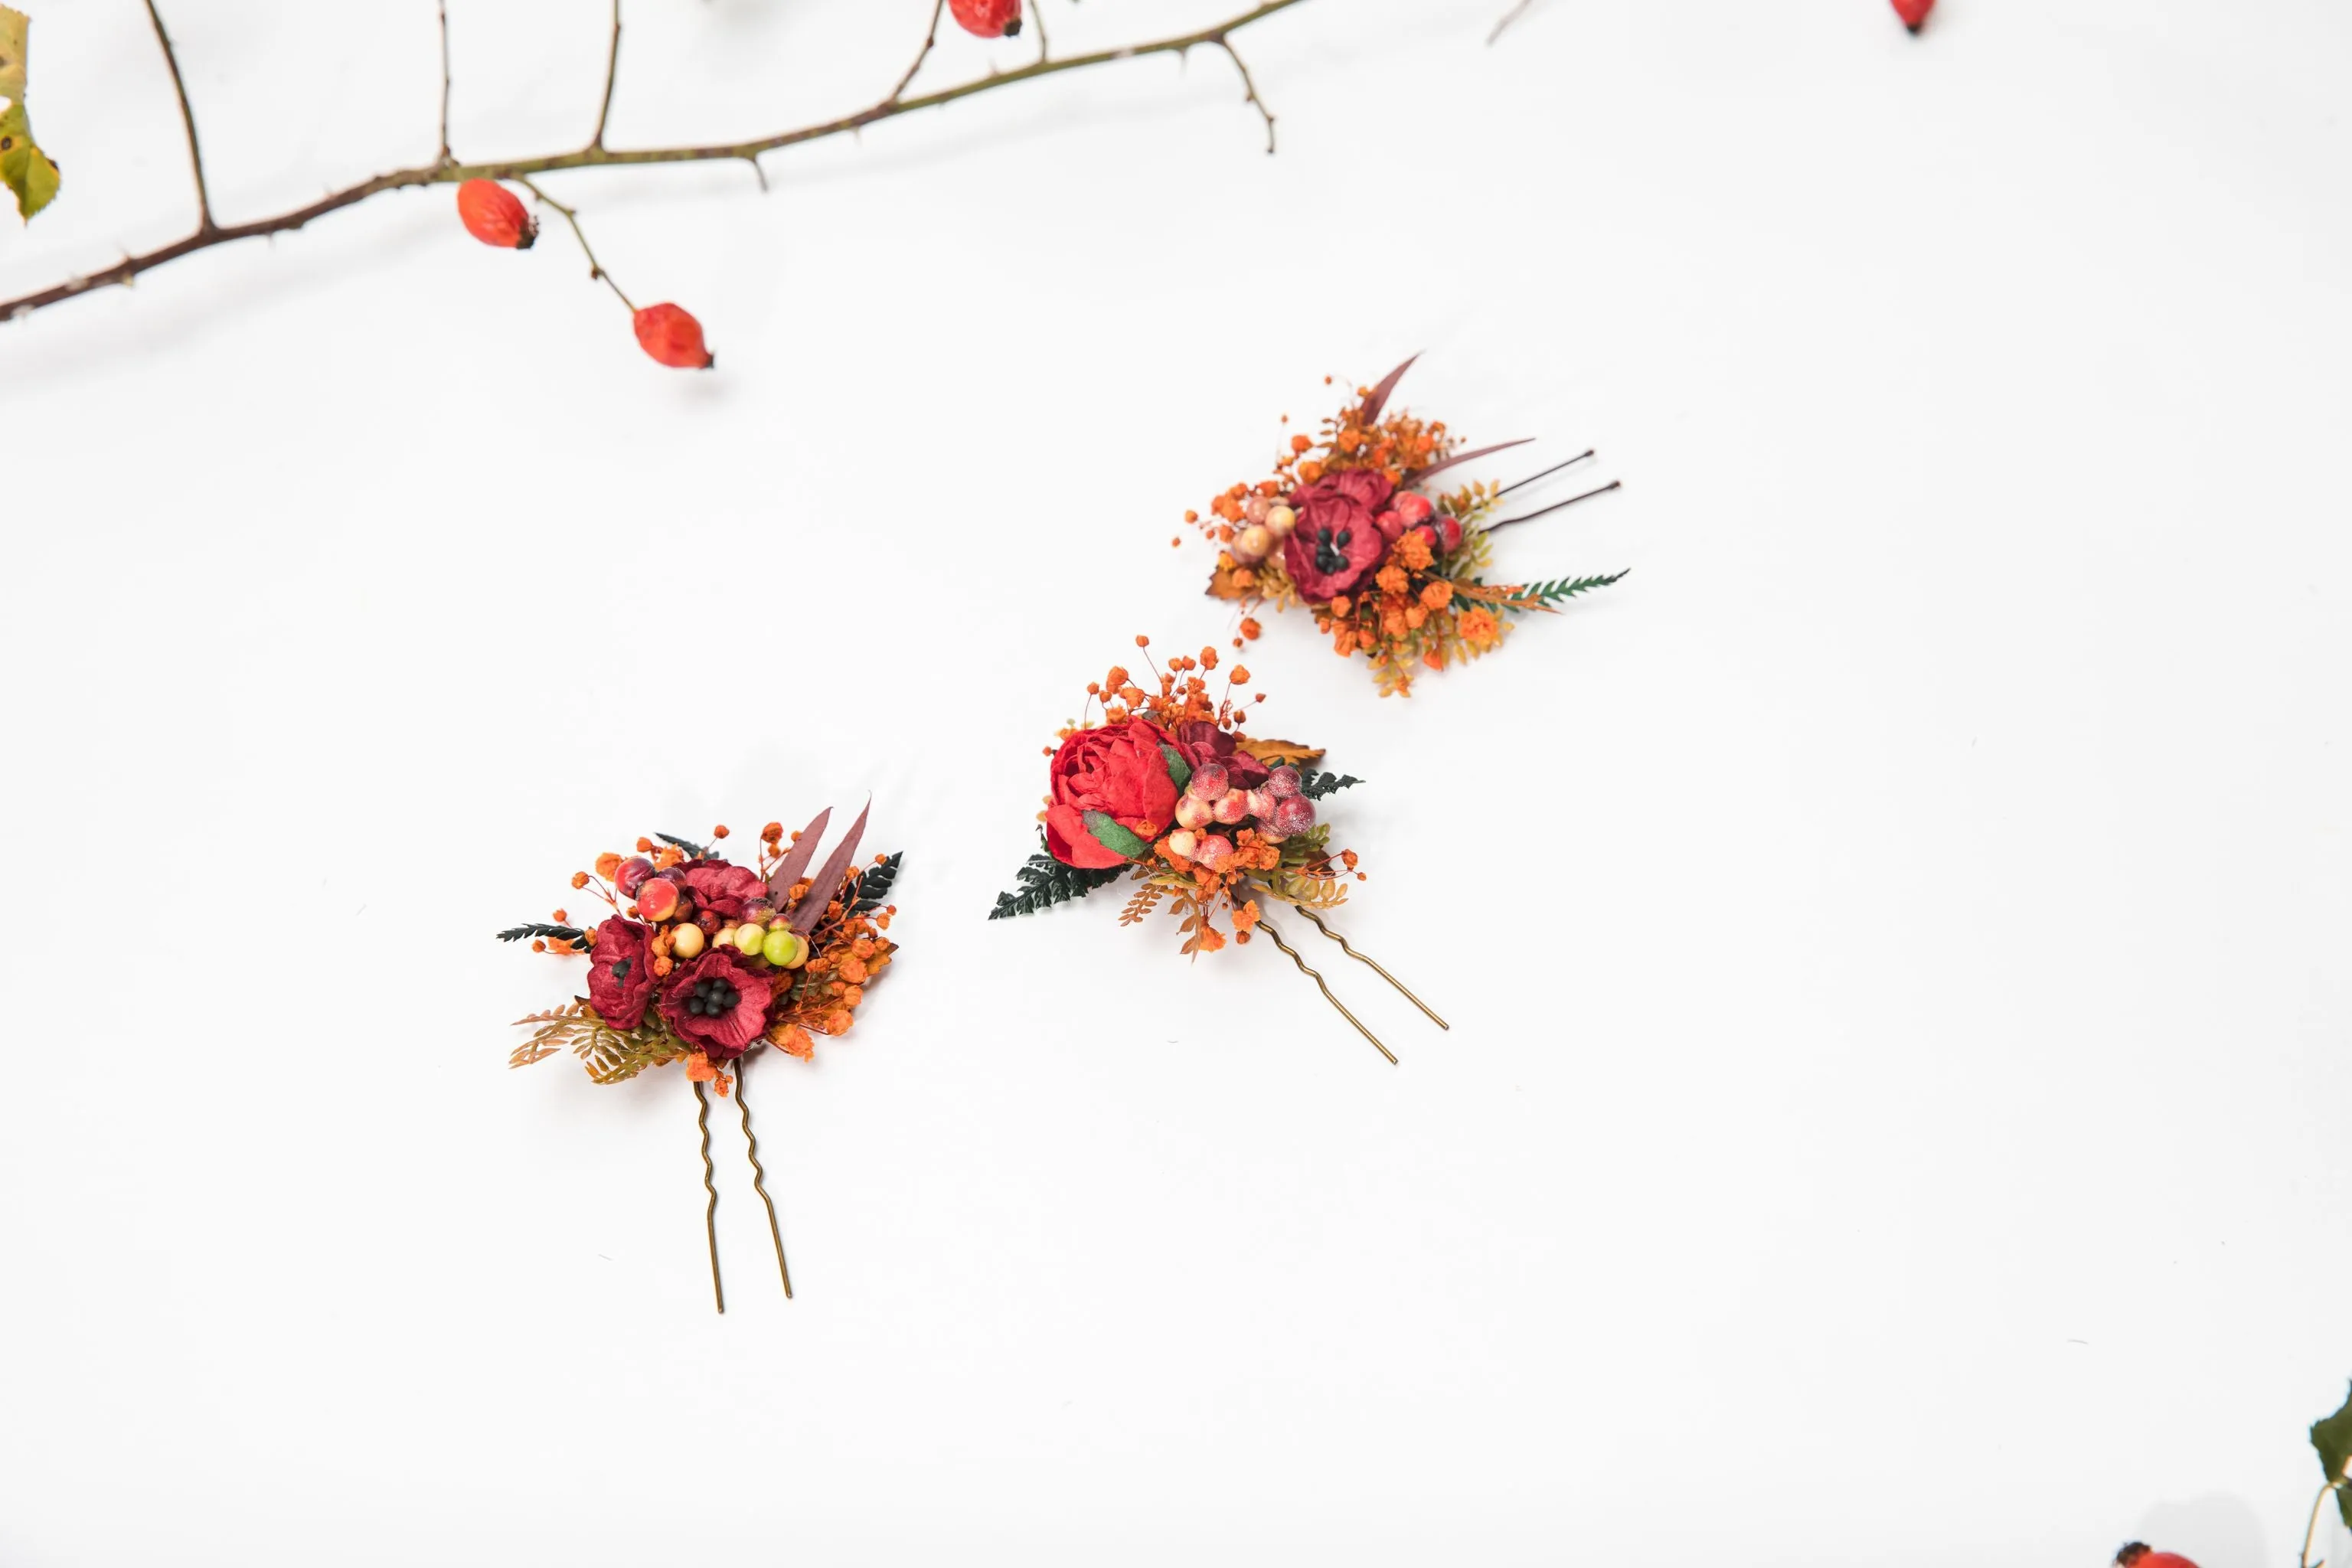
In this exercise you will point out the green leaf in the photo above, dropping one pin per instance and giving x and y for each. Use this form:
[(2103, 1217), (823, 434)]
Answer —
[(1315, 785), (2333, 1438), (24, 167), (1111, 835), (1178, 768)]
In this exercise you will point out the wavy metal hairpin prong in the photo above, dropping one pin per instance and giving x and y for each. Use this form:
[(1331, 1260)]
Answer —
[(710, 1210), (1316, 975), (759, 1172), (1374, 965)]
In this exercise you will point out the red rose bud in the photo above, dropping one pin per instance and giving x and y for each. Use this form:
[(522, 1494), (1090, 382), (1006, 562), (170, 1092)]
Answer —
[(674, 338), (492, 214), (988, 18), (632, 876), (1414, 510), (657, 898), (1914, 12)]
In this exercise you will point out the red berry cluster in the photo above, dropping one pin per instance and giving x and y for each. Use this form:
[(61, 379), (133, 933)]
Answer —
[(668, 334)]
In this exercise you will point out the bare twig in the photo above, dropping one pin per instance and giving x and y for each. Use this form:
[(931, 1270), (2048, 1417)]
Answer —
[(188, 119), (1249, 89), (1038, 15), (209, 234), (931, 41), (595, 269), (612, 74), (1513, 14), (443, 6)]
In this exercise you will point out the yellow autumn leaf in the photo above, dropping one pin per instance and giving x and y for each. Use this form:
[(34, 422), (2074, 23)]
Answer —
[(24, 167), (1273, 754)]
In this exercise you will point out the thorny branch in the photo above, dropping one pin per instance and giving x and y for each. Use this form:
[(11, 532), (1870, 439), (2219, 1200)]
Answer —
[(1509, 16), (597, 272), (442, 6), (612, 74), (444, 170), (931, 41), (188, 119), (1249, 91)]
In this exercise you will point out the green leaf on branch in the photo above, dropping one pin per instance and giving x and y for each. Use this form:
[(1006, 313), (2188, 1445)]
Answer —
[(1178, 768), (25, 169), (1559, 588), (2333, 1438), (1045, 881), (1114, 836)]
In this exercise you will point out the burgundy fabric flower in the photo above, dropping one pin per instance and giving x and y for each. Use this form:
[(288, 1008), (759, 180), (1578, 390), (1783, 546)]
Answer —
[(1339, 536), (719, 1003), (1202, 741), (1118, 769), (721, 888), (621, 973)]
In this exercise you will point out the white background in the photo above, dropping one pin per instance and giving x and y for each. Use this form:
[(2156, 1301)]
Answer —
[(1894, 942)]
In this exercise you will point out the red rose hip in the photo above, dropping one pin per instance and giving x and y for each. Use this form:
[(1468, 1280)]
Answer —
[(673, 337), (492, 214), (988, 18)]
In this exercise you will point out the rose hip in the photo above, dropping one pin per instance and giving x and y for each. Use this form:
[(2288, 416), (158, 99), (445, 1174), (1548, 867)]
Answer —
[(988, 18), (492, 214)]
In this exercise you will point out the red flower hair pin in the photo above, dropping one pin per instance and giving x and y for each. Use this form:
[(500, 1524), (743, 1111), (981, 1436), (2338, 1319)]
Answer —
[(1392, 567), (1167, 792), (704, 961)]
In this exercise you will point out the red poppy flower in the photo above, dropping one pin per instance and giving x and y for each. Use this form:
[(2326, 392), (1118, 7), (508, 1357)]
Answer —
[(1339, 536), (620, 974), (719, 1004)]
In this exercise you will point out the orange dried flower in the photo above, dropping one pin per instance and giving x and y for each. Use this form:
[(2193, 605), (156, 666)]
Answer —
[(579, 879), (1251, 629), (608, 864)]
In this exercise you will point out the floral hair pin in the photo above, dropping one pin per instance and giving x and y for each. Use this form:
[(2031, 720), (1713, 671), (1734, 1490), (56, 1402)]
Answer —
[(705, 961), (1392, 567), (1167, 792)]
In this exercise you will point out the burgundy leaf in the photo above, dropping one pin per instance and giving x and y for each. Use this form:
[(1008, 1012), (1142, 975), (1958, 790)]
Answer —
[(1467, 457), (804, 850), (828, 878), (1380, 397)]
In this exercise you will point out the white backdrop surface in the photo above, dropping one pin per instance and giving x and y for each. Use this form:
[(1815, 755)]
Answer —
[(1894, 1111)]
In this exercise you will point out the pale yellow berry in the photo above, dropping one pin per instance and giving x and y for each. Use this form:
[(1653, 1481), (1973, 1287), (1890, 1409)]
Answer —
[(686, 941), (750, 935), (1253, 543), (1183, 841), (1280, 521)]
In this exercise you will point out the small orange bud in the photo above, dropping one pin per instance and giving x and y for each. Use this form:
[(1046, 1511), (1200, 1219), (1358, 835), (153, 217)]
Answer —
[(719, 831), (673, 338), (608, 864), (492, 214)]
